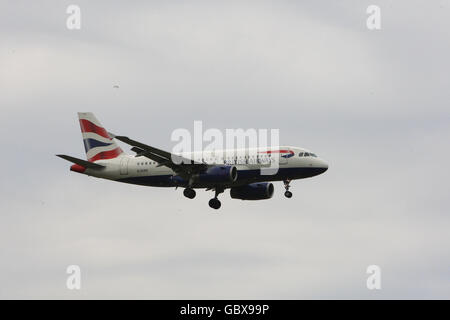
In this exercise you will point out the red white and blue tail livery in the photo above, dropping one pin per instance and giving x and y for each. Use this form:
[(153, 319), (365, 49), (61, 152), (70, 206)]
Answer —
[(97, 142), (239, 170)]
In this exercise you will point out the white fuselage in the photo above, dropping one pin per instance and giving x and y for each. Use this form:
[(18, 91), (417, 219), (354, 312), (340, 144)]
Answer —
[(253, 165)]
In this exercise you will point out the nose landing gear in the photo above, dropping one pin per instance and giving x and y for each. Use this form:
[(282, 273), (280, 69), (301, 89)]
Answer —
[(287, 194)]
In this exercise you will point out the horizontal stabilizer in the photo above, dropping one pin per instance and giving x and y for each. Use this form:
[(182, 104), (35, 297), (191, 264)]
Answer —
[(81, 162)]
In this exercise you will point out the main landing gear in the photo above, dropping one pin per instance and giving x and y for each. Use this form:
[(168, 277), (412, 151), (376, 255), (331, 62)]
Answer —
[(189, 193), (214, 202), (287, 194)]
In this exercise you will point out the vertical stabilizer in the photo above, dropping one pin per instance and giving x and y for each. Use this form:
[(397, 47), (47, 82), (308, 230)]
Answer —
[(97, 142)]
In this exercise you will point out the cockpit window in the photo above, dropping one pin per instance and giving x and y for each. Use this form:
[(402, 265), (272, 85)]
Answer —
[(307, 154)]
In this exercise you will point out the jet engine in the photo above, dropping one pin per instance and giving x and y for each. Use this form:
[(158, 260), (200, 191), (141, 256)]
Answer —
[(221, 174), (253, 191)]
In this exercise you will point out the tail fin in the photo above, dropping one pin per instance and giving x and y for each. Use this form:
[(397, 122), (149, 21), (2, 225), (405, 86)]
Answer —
[(97, 142)]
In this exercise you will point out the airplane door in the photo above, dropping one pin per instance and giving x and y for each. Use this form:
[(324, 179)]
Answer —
[(283, 160), (124, 166)]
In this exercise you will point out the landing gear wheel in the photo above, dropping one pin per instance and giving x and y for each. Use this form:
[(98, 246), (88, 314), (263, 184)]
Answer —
[(214, 203), (288, 194), (189, 193)]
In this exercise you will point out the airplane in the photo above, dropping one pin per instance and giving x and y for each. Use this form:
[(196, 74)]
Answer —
[(236, 169)]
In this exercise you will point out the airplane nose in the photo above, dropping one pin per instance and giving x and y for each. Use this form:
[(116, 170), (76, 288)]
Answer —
[(323, 166)]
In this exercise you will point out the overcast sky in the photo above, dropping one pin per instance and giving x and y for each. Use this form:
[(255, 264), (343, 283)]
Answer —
[(374, 104)]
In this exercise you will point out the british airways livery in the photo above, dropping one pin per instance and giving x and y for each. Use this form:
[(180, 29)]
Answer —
[(240, 170)]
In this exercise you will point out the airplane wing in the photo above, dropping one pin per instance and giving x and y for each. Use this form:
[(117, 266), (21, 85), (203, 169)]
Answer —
[(177, 163)]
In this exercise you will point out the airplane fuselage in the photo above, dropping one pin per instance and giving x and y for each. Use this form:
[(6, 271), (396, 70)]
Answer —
[(250, 169)]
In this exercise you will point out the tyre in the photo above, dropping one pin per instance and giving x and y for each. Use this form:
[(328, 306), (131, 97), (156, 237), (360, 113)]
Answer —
[(214, 203), (189, 193), (288, 194)]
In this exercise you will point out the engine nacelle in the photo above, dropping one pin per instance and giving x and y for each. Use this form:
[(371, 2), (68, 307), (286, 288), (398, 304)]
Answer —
[(253, 191), (218, 174)]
